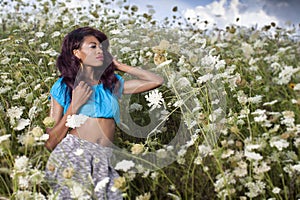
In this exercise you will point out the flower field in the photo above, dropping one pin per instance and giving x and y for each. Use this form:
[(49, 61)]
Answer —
[(224, 125)]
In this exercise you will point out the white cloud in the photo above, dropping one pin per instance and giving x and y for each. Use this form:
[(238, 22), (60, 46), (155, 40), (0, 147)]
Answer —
[(223, 13), (217, 8)]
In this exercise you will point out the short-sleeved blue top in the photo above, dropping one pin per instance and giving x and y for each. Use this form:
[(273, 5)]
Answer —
[(101, 104)]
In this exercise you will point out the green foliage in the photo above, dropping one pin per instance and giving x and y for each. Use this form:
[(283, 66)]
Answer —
[(230, 99)]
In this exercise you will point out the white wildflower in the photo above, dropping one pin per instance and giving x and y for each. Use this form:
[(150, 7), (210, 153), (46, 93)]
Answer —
[(170, 148), (101, 184), (49, 122), (178, 103), (37, 176), (279, 143), (4, 89), (242, 97), (180, 160), (261, 168), (115, 31), (258, 78), (275, 66), (155, 99), (183, 82), (4, 138), (74, 121), (288, 118), (55, 34), (165, 63), (253, 155), (182, 152), (135, 107), (209, 61), (223, 180), (227, 153), (174, 196), (78, 152), (247, 49), (255, 100), (39, 34), (251, 147), (204, 150), (255, 188), (21, 124), (26, 139), (124, 165), (15, 97), (297, 87), (32, 112), (37, 86), (77, 191), (276, 190), (23, 194), (23, 182), (262, 117), (39, 196), (154, 175), (220, 64), (14, 113), (44, 137), (21, 163), (296, 167), (44, 45), (198, 160), (215, 114), (296, 142), (270, 103), (145, 196), (5, 61), (8, 81), (133, 62), (241, 170), (286, 74), (204, 78), (137, 148), (123, 40), (125, 50), (181, 61), (37, 131), (24, 60)]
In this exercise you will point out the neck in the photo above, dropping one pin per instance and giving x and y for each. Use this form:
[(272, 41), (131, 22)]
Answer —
[(89, 75)]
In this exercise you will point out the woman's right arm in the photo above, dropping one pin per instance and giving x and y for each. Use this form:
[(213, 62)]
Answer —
[(79, 96)]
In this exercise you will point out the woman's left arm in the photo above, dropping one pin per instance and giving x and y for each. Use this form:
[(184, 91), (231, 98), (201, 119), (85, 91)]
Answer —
[(146, 79)]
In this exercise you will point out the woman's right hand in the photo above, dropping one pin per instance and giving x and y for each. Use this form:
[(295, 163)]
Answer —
[(80, 95)]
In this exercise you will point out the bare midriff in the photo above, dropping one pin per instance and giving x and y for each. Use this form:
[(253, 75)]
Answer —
[(96, 130)]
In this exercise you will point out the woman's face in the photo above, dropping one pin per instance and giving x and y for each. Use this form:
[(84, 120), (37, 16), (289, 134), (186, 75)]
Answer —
[(90, 52)]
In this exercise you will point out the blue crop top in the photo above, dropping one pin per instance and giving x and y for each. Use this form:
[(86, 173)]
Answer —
[(102, 102)]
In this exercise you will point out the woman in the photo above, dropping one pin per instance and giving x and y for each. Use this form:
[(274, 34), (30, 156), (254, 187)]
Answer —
[(79, 163)]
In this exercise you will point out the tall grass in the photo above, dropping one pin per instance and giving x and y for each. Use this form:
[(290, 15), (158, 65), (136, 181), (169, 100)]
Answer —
[(228, 122)]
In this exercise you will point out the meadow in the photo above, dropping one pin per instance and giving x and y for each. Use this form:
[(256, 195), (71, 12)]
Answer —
[(224, 125)]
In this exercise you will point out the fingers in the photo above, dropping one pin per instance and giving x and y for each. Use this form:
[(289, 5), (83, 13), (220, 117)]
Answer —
[(83, 85), (83, 90)]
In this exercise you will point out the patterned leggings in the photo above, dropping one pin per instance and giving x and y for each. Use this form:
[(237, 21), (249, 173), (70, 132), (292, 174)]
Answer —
[(78, 169)]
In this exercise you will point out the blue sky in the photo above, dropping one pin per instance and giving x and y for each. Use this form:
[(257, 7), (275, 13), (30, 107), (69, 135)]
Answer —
[(225, 12)]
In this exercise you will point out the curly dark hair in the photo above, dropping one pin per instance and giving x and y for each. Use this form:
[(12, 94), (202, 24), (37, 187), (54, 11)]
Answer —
[(68, 64)]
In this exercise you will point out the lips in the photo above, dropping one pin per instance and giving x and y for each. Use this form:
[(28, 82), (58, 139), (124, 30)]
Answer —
[(100, 58)]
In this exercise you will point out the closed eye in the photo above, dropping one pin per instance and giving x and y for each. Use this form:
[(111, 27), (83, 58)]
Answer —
[(95, 46)]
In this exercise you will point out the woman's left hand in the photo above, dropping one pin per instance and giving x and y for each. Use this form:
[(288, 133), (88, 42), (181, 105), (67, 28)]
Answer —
[(145, 81), (118, 65)]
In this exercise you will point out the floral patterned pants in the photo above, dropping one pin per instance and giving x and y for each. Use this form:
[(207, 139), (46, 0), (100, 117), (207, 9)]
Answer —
[(78, 169)]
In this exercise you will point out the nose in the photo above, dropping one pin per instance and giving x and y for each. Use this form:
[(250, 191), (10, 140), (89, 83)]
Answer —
[(99, 49)]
